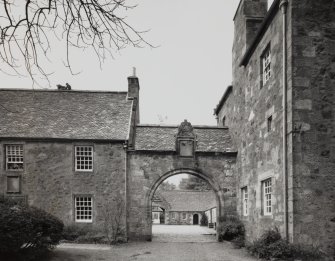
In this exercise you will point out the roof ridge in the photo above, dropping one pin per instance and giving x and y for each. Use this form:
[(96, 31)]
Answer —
[(68, 91)]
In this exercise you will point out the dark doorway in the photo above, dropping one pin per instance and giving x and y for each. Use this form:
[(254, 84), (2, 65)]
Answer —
[(195, 219)]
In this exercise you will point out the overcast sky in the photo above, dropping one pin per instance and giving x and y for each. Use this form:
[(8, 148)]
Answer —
[(183, 78)]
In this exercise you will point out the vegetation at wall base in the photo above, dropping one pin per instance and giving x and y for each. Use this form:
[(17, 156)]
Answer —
[(270, 245), (231, 229), (26, 233)]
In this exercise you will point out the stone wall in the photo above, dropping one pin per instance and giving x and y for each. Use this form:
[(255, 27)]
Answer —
[(49, 179), (310, 120), (247, 111), (313, 80), (176, 217), (146, 170)]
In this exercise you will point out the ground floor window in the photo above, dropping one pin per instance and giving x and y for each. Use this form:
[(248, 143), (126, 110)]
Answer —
[(83, 209), (267, 197), (245, 201)]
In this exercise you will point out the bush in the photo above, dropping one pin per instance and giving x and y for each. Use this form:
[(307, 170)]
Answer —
[(271, 245), (83, 234), (27, 231), (230, 228), (204, 220)]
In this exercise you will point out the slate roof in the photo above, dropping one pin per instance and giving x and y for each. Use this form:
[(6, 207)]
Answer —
[(183, 200), (163, 138), (64, 114)]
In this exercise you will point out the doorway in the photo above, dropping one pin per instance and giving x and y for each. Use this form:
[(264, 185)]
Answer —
[(195, 219)]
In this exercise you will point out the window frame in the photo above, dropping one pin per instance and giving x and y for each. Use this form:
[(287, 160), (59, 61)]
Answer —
[(245, 201), (266, 67), (184, 216), (80, 220), (7, 146), (267, 196), (78, 156), (13, 177)]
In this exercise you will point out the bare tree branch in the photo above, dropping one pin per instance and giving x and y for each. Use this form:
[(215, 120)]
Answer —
[(98, 24)]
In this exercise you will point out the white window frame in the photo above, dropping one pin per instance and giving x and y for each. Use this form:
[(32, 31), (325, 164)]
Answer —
[(14, 155), (81, 160), (267, 197), (266, 65), (245, 198), (184, 215), (83, 209)]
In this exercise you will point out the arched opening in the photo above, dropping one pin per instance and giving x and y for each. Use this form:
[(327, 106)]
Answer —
[(186, 217), (195, 219)]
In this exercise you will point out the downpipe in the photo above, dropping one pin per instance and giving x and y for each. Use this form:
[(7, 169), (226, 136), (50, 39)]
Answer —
[(283, 7)]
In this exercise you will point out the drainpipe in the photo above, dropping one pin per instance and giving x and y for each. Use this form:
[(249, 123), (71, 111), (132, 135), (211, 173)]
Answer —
[(283, 7)]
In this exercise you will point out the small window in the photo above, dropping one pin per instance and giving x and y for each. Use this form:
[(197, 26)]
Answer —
[(266, 65), (84, 158), (155, 215), (84, 209), (13, 184), (245, 201), (14, 157), (184, 215), (223, 121), (269, 124), (267, 197)]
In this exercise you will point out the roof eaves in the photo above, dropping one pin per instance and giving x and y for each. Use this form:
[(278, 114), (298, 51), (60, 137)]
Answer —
[(263, 27), (60, 139), (223, 99)]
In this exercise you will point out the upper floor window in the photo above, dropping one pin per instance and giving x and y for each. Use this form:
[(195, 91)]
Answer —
[(83, 209), (14, 157), (267, 197), (245, 201), (84, 158), (266, 65)]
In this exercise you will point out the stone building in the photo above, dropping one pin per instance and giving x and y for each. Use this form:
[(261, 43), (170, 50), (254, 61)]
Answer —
[(83, 154), (78, 153), (186, 207), (284, 82)]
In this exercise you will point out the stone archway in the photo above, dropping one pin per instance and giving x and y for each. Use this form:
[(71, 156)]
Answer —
[(215, 189), (163, 151)]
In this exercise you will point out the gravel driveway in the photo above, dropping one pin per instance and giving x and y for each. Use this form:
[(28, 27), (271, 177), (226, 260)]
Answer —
[(177, 243)]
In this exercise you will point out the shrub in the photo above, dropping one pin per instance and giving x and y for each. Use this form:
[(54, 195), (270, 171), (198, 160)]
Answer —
[(271, 245), (204, 220), (230, 228), (27, 231), (80, 233)]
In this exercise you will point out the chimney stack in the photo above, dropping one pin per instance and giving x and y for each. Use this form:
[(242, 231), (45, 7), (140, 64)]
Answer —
[(134, 92), (247, 19)]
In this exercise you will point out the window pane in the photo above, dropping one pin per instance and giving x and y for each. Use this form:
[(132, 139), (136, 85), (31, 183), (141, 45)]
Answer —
[(83, 209), (14, 157), (84, 158)]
